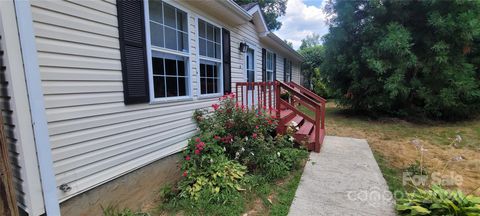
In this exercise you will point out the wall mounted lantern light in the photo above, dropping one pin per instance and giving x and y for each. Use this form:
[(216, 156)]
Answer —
[(243, 47)]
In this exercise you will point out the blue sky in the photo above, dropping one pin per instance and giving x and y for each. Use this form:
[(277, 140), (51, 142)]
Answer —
[(302, 18)]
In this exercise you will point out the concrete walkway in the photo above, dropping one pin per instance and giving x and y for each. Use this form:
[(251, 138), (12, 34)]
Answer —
[(343, 179)]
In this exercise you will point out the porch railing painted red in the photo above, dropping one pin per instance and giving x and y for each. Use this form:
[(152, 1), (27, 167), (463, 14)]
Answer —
[(256, 95), (267, 95)]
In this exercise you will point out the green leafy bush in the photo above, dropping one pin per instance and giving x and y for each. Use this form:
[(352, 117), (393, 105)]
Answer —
[(438, 201), (416, 169), (235, 145), (405, 58)]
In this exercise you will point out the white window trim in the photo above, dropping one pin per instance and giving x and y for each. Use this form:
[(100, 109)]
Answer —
[(220, 61), (149, 47)]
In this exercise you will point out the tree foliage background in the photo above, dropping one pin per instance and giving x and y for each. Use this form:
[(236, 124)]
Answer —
[(313, 54), (272, 9), (407, 58)]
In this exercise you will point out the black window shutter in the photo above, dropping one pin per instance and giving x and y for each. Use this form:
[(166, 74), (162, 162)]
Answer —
[(131, 28), (264, 65), (285, 70), (227, 65), (274, 67)]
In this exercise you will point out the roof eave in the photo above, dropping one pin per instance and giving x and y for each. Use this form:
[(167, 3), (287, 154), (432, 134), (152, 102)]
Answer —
[(281, 42), (230, 4)]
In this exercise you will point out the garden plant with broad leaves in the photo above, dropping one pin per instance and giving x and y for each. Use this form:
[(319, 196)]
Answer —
[(234, 146)]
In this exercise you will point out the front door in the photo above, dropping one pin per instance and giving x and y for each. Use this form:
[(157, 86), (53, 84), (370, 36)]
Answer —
[(250, 70)]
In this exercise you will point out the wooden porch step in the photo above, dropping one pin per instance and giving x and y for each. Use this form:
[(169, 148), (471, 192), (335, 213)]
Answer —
[(305, 129), (285, 113), (298, 119)]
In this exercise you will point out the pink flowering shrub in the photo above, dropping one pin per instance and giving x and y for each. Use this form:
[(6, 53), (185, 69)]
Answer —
[(233, 142)]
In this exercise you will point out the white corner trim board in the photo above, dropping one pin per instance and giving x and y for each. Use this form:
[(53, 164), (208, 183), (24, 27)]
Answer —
[(37, 106)]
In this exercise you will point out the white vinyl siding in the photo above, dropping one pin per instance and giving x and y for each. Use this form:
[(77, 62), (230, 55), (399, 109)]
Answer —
[(94, 136)]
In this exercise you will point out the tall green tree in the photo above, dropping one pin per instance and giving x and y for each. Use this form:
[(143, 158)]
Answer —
[(310, 41), (272, 9), (313, 58), (405, 57)]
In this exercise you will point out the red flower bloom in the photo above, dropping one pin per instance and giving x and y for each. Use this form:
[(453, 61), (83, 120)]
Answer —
[(197, 139), (184, 173), (216, 137), (187, 157), (200, 145), (256, 127), (215, 106), (254, 135), (197, 152)]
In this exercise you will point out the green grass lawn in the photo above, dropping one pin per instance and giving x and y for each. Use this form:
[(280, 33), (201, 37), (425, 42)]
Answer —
[(393, 143)]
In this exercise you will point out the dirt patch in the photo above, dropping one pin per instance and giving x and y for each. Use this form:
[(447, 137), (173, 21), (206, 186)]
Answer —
[(400, 143)]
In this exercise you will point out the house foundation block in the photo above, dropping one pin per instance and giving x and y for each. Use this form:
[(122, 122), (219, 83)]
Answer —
[(137, 190)]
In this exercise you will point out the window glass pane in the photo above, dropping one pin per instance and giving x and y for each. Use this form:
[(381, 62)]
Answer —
[(203, 72), (181, 21), (169, 15), (250, 61), (155, 10), (181, 68), (170, 38), (203, 47), (170, 67), (157, 64), (215, 71), (182, 86), (185, 42), (210, 32), (203, 83), (210, 49), (217, 35), (156, 34), (172, 87), (217, 86), (159, 86), (217, 51), (210, 83), (209, 70), (182, 42), (250, 76), (201, 28)]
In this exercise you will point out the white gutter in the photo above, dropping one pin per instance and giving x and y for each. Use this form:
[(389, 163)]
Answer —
[(37, 107)]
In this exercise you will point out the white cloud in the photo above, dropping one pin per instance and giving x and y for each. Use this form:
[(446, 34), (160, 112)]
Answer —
[(301, 20)]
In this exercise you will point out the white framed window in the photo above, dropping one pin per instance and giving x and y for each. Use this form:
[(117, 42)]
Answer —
[(168, 51), (288, 71), (210, 58), (269, 67)]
